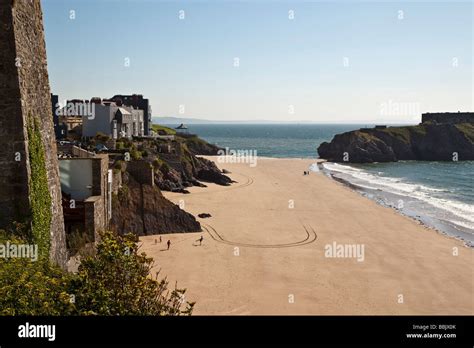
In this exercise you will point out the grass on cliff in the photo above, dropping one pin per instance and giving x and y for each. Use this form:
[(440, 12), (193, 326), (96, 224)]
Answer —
[(404, 133), (401, 133), (167, 130), (116, 280), (467, 129)]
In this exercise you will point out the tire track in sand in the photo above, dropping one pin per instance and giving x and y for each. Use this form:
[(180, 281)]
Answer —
[(311, 237)]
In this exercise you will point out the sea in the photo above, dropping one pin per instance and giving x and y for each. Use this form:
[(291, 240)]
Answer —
[(437, 194)]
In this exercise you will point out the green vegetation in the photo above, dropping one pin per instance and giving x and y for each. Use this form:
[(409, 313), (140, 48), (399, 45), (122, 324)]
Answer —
[(195, 140), (404, 133), (165, 168), (401, 133), (118, 165), (467, 129), (114, 281), (419, 129), (365, 136), (40, 198), (135, 154), (157, 128), (157, 163), (123, 143), (122, 193)]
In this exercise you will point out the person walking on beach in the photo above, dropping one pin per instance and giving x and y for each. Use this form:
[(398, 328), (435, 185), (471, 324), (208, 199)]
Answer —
[(200, 240), (160, 239), (169, 244)]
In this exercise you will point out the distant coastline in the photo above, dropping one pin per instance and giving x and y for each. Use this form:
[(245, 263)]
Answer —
[(169, 120)]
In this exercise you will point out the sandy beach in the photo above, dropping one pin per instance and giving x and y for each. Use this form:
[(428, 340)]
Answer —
[(265, 250)]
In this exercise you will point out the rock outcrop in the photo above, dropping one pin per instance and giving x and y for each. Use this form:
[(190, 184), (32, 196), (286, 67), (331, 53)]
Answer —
[(198, 146), (181, 168), (425, 142), (143, 210)]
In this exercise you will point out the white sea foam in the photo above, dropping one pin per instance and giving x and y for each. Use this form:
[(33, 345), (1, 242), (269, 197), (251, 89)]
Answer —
[(462, 214), (314, 167)]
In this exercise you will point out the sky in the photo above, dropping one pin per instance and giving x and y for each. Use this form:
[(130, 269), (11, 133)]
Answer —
[(329, 62)]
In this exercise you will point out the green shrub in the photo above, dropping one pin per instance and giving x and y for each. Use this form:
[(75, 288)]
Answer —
[(157, 163), (118, 165), (114, 281), (33, 287), (165, 168), (135, 154)]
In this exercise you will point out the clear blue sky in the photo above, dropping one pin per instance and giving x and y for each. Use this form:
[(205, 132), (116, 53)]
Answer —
[(289, 69)]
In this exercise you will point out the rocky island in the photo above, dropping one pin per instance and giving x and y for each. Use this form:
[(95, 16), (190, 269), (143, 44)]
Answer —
[(440, 137)]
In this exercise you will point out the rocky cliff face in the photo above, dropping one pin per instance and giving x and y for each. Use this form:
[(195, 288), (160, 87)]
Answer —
[(142, 209), (198, 146), (182, 168), (425, 142)]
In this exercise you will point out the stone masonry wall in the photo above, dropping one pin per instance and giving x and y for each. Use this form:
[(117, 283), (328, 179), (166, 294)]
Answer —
[(100, 166), (24, 94), (95, 219)]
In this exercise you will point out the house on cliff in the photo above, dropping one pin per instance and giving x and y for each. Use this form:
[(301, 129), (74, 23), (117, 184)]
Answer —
[(136, 101), (113, 120)]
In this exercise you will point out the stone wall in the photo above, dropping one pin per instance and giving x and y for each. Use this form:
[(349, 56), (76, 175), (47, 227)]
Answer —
[(24, 96), (74, 151), (116, 181), (448, 117), (94, 216), (100, 167)]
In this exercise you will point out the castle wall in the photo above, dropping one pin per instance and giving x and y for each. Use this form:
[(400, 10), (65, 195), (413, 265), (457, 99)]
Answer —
[(448, 117), (24, 95)]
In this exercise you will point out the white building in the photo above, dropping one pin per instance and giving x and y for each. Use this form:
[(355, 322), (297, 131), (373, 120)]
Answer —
[(113, 120)]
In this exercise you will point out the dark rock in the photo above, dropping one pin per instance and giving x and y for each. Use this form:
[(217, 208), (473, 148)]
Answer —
[(216, 177), (430, 142), (142, 209), (180, 167), (204, 215), (198, 146)]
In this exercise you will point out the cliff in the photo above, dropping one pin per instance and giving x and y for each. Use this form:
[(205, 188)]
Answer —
[(177, 165), (143, 210), (425, 142), (156, 165)]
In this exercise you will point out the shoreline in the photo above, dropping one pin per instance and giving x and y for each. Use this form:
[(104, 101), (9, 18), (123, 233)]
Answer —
[(279, 258), (449, 230)]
